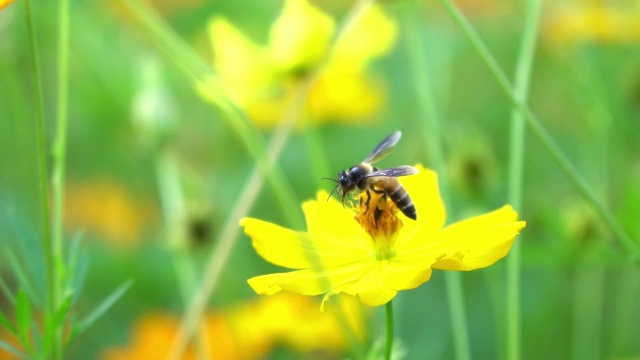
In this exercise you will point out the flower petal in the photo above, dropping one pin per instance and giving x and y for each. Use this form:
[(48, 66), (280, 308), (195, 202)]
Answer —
[(242, 65), (309, 281), (299, 250), (479, 241), (423, 189), (300, 35), (330, 220), (382, 282), (370, 37)]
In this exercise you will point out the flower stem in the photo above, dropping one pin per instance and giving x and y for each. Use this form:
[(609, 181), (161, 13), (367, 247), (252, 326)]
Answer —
[(174, 213), (198, 71), (43, 175), (536, 127), (431, 132), (388, 347), (58, 172), (516, 167), (265, 157)]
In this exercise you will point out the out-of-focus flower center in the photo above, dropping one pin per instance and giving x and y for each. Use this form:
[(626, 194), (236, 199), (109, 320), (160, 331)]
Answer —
[(378, 216)]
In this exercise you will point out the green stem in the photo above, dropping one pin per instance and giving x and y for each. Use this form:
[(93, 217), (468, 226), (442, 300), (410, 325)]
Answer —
[(540, 132), (431, 132), (193, 66), (43, 183), (516, 169), (58, 174), (174, 213), (60, 145), (266, 167), (388, 347)]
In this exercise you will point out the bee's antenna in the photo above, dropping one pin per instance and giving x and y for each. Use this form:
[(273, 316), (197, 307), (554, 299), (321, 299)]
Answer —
[(327, 178), (334, 189)]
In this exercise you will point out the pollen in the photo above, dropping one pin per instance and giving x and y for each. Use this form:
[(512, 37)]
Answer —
[(378, 216)]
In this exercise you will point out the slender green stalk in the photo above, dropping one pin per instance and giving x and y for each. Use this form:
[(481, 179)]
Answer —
[(175, 215), (433, 138), (632, 247), (388, 346), (193, 66), (43, 175), (60, 145), (59, 164), (588, 288), (457, 314), (266, 166), (516, 169)]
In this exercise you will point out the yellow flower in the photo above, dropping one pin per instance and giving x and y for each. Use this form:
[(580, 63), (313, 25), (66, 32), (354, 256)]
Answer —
[(374, 258), (4, 3), (248, 330), (583, 22), (264, 79)]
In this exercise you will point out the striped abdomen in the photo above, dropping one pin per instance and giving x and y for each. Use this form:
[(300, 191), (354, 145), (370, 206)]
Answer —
[(398, 194)]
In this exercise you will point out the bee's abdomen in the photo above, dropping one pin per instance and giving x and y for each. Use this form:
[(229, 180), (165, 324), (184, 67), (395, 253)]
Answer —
[(400, 197)]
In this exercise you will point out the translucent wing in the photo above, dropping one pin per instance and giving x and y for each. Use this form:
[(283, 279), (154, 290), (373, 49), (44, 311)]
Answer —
[(403, 170), (383, 149)]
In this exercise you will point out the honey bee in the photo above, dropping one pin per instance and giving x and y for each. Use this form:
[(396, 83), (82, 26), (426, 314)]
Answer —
[(367, 177)]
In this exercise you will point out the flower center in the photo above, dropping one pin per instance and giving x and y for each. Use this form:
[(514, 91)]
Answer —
[(378, 216)]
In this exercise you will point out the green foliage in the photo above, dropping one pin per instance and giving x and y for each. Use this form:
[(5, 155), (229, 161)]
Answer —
[(578, 289)]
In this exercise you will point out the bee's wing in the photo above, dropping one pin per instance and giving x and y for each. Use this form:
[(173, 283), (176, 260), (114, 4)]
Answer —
[(403, 170), (383, 149)]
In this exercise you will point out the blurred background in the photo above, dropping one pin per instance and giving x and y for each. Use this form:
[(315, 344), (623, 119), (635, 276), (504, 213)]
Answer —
[(155, 167)]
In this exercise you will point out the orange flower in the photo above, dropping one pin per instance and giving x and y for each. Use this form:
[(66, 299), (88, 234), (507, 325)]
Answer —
[(578, 22), (249, 331), (106, 208)]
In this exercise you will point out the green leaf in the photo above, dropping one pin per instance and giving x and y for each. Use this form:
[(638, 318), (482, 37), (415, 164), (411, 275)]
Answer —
[(37, 344), (61, 314), (104, 306), (22, 276), (72, 259), (57, 324), (7, 292), (7, 324), (77, 266), (23, 316), (73, 332)]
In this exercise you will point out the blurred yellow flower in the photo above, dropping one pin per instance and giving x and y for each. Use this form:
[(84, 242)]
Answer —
[(578, 22), (263, 79), (105, 208), (248, 331), (375, 258), (4, 3)]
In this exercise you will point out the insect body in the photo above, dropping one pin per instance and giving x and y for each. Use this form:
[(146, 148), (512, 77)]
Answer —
[(367, 177)]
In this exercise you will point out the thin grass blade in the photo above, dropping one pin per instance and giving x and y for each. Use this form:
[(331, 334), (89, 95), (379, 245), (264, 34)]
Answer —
[(4, 321), (7, 292), (23, 317), (22, 276), (630, 245), (105, 305)]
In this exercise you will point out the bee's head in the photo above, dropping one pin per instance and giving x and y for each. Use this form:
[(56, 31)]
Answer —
[(344, 180), (347, 180)]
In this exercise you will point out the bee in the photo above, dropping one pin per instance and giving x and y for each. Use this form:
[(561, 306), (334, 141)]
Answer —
[(367, 177)]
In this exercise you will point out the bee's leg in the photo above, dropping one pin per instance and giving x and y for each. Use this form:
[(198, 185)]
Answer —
[(378, 211), (376, 216), (382, 205), (368, 201)]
